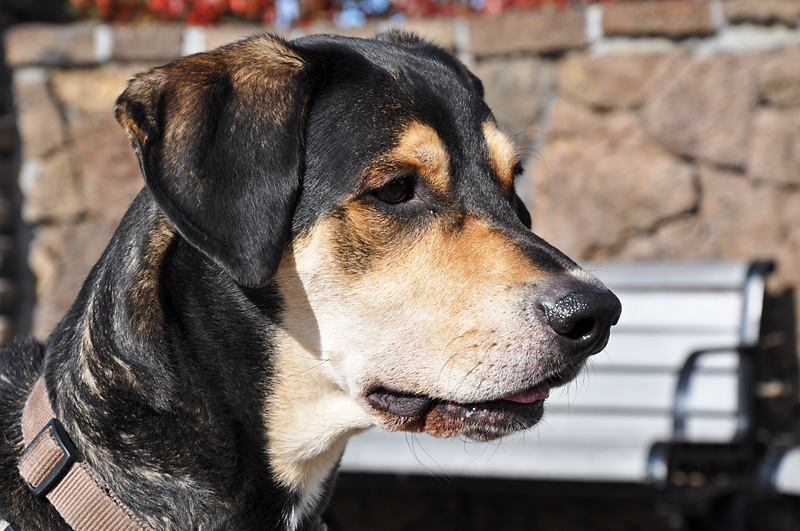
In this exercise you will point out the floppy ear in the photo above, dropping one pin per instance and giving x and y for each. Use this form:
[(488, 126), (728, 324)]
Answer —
[(220, 145)]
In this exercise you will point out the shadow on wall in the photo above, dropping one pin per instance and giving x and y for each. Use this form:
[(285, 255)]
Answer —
[(16, 279)]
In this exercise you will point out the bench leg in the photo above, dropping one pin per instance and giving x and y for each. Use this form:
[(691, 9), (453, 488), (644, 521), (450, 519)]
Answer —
[(731, 513)]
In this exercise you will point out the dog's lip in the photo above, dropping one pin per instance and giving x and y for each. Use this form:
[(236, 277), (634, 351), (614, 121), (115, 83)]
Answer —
[(399, 404), (407, 405)]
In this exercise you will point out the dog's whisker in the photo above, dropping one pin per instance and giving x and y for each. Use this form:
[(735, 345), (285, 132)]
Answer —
[(444, 365), (413, 443), (467, 375), (311, 369)]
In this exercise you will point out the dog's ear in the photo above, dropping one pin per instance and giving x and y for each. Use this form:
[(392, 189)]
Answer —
[(219, 140)]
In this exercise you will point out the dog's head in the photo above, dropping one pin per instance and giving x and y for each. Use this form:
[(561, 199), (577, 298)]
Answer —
[(369, 181)]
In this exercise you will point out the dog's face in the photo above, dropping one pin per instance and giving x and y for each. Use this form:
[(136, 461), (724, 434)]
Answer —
[(425, 286), (369, 182)]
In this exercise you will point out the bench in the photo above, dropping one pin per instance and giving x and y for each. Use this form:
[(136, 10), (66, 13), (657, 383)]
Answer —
[(781, 471), (668, 403)]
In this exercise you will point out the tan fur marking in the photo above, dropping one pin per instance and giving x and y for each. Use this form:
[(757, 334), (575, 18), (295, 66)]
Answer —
[(137, 136), (262, 82), (502, 154), (436, 314), (93, 363), (439, 317), (419, 148), (278, 56), (146, 311), (310, 415), (86, 350)]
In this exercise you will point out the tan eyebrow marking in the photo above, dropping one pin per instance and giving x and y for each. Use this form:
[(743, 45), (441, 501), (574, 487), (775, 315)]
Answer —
[(502, 154), (421, 149)]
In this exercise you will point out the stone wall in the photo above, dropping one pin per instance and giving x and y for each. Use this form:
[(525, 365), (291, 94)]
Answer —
[(658, 130)]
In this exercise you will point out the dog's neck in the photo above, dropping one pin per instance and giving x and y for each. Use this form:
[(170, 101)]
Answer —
[(191, 423), (308, 421)]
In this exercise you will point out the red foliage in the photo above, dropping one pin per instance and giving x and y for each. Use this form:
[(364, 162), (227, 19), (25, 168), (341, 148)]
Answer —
[(197, 12), (203, 12)]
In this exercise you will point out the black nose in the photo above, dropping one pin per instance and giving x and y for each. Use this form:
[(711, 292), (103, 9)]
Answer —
[(581, 314)]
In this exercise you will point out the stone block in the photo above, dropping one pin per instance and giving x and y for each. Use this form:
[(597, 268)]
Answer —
[(516, 89), (675, 20), (775, 147), (762, 11), (147, 42), (39, 120), (568, 118), (108, 167), (597, 187), (93, 90), (779, 76), (741, 214), (227, 33), (737, 218), (702, 108), (50, 189), (614, 81), (60, 256), (50, 45), (542, 31), (366, 31), (440, 31), (788, 255)]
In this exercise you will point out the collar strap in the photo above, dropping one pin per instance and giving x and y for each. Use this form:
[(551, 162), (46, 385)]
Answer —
[(53, 468)]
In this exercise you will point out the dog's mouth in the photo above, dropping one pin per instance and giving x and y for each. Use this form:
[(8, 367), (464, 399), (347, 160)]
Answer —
[(479, 420)]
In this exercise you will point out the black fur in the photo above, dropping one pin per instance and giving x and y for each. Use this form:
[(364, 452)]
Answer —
[(156, 370)]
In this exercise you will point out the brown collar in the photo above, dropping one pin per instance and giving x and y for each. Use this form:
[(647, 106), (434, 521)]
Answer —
[(52, 467)]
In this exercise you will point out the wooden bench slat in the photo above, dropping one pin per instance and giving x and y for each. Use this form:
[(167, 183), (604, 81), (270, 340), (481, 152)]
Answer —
[(671, 275), (593, 448), (715, 391), (423, 455), (668, 352), (688, 312), (566, 428)]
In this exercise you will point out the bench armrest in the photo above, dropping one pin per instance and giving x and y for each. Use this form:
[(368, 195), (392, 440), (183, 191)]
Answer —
[(744, 415), (752, 308), (780, 471)]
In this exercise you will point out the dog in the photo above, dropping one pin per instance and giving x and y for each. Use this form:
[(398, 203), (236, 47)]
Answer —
[(328, 240)]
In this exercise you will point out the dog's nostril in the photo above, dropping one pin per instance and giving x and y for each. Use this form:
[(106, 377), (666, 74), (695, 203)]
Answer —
[(570, 316), (581, 328), (582, 317)]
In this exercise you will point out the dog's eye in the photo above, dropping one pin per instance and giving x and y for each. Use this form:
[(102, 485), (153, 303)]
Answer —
[(395, 191)]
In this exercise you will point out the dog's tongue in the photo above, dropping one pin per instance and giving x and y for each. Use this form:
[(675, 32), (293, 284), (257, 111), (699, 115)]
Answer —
[(539, 392)]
